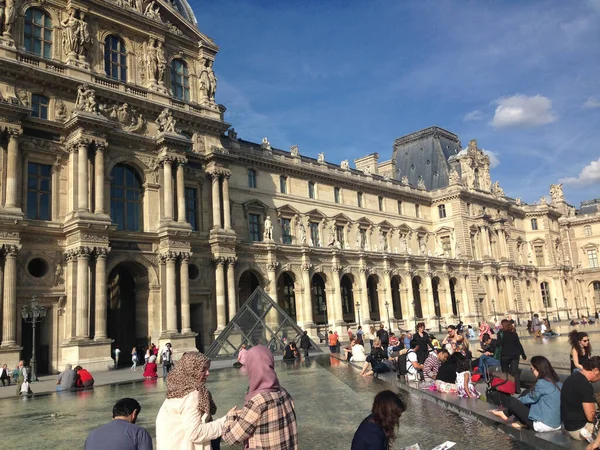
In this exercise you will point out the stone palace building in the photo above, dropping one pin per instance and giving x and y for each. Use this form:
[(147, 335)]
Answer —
[(133, 212)]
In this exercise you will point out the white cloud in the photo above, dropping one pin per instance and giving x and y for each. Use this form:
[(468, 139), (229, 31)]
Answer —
[(590, 174), (523, 111), (474, 116), (591, 103), (494, 159)]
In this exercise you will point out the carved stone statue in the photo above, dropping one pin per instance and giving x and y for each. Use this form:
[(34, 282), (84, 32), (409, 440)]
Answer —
[(302, 229), (321, 158), (165, 121), (84, 38), (404, 247), (76, 37), (423, 249), (556, 192), (294, 151), (268, 233), (497, 191), (2, 11), (518, 201), (155, 61), (60, 112), (58, 275), (153, 11), (208, 81), (265, 144), (345, 165), (543, 200), (232, 135), (381, 241), (454, 177), (404, 181), (86, 100), (421, 184), (9, 17), (358, 240)]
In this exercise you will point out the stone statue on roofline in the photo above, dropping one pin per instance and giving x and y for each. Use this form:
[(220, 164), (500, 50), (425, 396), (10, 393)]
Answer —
[(454, 177), (497, 191), (556, 192), (421, 184), (345, 165), (265, 144), (321, 158), (294, 151)]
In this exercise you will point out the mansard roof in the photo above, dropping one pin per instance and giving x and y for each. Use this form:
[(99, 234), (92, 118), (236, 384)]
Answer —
[(589, 207), (183, 8)]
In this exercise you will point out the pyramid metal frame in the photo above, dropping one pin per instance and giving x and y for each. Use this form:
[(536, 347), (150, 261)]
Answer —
[(258, 305)]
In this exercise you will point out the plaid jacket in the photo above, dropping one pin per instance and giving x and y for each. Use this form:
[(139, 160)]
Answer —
[(268, 421)]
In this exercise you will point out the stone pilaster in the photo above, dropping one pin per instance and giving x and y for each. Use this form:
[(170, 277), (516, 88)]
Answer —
[(99, 179), (216, 201), (231, 290), (82, 329), (167, 165), (181, 190), (220, 292), (226, 205), (82, 176), (13, 173), (9, 298), (170, 259), (185, 292), (101, 301)]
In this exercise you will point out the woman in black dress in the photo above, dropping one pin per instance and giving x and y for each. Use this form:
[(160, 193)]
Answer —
[(424, 341)]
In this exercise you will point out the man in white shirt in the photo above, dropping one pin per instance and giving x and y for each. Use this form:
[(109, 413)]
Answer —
[(412, 363)]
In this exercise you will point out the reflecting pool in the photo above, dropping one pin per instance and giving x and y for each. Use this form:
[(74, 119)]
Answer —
[(331, 400)]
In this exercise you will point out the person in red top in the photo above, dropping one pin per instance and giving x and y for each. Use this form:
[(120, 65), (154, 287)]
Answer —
[(84, 378), (151, 367)]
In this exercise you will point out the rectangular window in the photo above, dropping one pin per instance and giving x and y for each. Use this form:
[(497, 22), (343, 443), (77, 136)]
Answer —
[(286, 231), (593, 258), (191, 207), (39, 194), (254, 227), (314, 234), (380, 203), (417, 211), (359, 199), (442, 211), (251, 178), (587, 230), (468, 209), (534, 224), (399, 206), (311, 189), (339, 234), (539, 255), (283, 184), (39, 106), (336, 194)]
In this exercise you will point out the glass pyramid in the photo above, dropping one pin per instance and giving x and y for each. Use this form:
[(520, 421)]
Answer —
[(260, 321)]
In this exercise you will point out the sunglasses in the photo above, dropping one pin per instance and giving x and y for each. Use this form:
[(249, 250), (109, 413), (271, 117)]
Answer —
[(585, 340)]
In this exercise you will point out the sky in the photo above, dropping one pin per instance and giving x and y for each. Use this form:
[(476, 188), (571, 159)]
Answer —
[(347, 77)]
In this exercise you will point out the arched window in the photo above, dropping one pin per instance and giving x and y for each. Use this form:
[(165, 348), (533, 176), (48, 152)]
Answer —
[(545, 290), (115, 58), (37, 35), (347, 298), (126, 198), (287, 294), (319, 296), (476, 179), (180, 80)]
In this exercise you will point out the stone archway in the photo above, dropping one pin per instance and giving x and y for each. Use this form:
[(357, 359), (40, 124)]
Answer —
[(453, 283), (435, 287), (318, 299), (346, 286), (396, 282), (286, 294), (417, 307), (127, 324), (249, 281), (373, 298)]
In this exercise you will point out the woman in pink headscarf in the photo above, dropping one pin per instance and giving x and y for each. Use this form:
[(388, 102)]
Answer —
[(268, 420), (484, 328)]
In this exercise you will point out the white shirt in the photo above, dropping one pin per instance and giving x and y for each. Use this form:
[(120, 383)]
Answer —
[(117, 352), (411, 357), (543, 328), (358, 353)]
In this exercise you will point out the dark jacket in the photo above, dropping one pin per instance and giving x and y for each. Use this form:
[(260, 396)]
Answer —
[(511, 345), (304, 341), (377, 355), (424, 346), (369, 436)]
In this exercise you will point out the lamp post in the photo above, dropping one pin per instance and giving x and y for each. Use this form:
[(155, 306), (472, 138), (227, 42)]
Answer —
[(557, 309), (567, 308), (358, 311), (437, 316), (33, 313), (494, 308), (530, 310), (387, 308)]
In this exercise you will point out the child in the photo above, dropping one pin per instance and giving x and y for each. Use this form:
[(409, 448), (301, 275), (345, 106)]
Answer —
[(464, 386)]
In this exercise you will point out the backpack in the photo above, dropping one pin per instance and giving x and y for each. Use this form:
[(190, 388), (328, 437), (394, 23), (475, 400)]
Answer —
[(385, 337), (401, 364)]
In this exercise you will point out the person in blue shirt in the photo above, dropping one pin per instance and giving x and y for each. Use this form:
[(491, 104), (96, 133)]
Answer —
[(378, 430), (540, 408)]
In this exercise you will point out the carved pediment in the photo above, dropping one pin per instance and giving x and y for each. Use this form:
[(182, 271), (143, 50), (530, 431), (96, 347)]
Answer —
[(254, 205)]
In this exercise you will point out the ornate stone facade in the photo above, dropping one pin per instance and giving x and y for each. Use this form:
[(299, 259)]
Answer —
[(136, 214)]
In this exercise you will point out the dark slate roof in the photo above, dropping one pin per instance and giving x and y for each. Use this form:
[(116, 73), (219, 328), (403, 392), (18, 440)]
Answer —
[(425, 153), (589, 206)]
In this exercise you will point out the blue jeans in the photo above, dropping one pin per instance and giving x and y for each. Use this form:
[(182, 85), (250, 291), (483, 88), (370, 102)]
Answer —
[(166, 369), (487, 361)]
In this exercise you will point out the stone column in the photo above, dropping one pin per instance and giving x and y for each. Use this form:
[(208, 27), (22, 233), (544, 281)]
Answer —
[(511, 300), (181, 191), (12, 170), (9, 299), (449, 311), (492, 294), (307, 291), (184, 279), (216, 201), (231, 290), (101, 303), (464, 304), (82, 328), (337, 316), (55, 191), (171, 297), (82, 177), (73, 178), (99, 179), (168, 187), (272, 275), (364, 296), (226, 205), (427, 304), (220, 293), (387, 280)]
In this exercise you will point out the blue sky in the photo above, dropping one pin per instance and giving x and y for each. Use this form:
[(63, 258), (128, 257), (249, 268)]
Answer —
[(348, 77)]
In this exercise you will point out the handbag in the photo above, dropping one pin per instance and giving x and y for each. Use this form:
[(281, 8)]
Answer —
[(503, 382)]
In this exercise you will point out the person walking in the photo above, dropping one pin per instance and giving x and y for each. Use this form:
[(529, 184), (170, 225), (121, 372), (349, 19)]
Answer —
[(268, 419), (167, 359), (185, 419), (512, 349), (305, 343), (424, 341), (134, 358), (371, 336), (22, 378), (378, 430), (581, 349), (122, 432), (539, 409), (333, 342)]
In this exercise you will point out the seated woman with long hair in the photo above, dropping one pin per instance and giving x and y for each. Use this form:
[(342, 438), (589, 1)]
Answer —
[(378, 430), (540, 408), (581, 349), (375, 358)]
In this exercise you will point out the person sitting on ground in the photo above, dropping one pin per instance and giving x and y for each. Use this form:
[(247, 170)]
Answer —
[(489, 350), (333, 342), (484, 328), (348, 350), (446, 376), (470, 332), (539, 409), (358, 352), (395, 345), (464, 385), (435, 343), (241, 358), (66, 379), (547, 329), (581, 349), (432, 364), (378, 430), (454, 342), (583, 320), (83, 379), (151, 370), (376, 357), (291, 352), (577, 403), (122, 432)]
